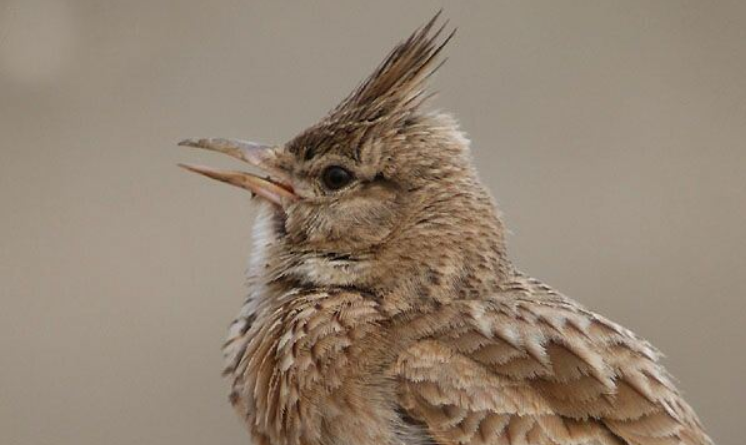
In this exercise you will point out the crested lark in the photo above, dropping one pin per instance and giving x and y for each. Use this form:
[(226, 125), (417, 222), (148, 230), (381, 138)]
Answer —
[(383, 308)]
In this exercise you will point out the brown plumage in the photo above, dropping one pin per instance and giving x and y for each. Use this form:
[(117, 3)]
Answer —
[(383, 308)]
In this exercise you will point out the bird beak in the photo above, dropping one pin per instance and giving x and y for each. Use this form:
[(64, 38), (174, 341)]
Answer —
[(276, 189)]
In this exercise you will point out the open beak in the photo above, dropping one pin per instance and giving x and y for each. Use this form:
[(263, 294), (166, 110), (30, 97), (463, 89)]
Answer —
[(275, 188)]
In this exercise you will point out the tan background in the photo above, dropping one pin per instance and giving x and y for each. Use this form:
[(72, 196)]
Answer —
[(612, 133)]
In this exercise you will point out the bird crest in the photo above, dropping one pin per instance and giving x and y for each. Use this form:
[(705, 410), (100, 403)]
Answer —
[(399, 82), (390, 95)]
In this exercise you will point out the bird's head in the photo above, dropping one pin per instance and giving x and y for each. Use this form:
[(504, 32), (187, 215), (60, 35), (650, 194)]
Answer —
[(380, 188)]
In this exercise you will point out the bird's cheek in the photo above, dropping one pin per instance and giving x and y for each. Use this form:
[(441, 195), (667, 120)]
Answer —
[(343, 228), (299, 220)]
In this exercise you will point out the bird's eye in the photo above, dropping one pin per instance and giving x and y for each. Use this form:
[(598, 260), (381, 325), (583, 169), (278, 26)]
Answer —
[(336, 177)]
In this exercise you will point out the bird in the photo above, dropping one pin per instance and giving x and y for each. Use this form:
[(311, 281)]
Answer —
[(383, 308)]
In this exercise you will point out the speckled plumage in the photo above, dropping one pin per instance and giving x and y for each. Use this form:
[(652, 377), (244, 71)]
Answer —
[(388, 312)]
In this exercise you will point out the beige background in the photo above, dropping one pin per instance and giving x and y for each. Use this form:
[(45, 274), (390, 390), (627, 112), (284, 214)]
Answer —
[(612, 134)]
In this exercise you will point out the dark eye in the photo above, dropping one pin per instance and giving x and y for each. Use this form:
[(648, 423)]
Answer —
[(336, 177)]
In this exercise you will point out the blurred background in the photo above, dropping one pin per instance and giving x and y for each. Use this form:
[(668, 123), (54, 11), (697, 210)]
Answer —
[(612, 134)]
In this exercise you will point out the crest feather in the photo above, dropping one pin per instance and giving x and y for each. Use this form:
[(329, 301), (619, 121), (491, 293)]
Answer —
[(399, 82)]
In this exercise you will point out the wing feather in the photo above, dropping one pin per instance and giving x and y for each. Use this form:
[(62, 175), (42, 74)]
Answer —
[(530, 366)]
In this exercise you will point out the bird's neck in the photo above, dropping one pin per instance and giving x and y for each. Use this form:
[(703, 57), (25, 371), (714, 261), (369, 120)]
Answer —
[(453, 250)]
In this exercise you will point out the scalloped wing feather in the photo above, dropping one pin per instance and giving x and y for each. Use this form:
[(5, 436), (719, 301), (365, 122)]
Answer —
[(532, 367)]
